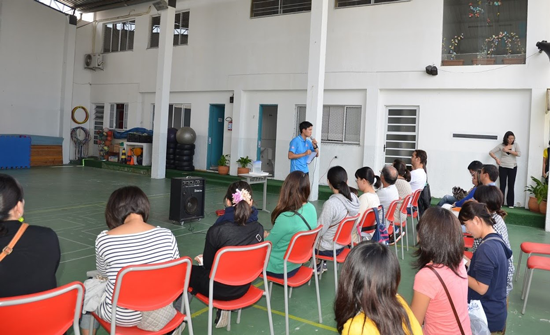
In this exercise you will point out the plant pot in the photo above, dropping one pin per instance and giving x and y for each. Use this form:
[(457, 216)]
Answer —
[(514, 60), (533, 205), (542, 207), (452, 62), (242, 170), (223, 170), (483, 61)]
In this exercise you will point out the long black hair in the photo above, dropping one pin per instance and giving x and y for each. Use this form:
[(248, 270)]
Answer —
[(242, 208), (368, 282), (402, 170), (505, 138), (338, 178), (440, 240), (11, 193), (367, 174), (294, 193)]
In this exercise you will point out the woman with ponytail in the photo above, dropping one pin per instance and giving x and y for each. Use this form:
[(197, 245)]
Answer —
[(341, 203), (366, 179), (488, 268), (31, 266), (492, 197), (240, 227)]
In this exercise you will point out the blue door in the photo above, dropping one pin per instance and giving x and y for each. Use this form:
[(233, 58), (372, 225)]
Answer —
[(215, 135)]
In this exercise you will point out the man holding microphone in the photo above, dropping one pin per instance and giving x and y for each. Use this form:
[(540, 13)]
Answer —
[(301, 147)]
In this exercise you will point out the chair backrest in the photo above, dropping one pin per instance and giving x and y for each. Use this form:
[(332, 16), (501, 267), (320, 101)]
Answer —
[(300, 246), (240, 265), (48, 312), (345, 227), (147, 287), (405, 204), (391, 211), (368, 220), (415, 197)]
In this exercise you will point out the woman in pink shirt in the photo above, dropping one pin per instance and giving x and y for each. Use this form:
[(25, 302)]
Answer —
[(440, 249)]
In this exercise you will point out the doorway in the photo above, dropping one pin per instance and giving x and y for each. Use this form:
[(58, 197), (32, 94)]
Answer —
[(401, 134), (215, 136), (267, 137)]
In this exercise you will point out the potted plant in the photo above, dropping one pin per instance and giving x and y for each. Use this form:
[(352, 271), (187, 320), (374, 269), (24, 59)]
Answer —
[(539, 192), (223, 164), (243, 162), (449, 59)]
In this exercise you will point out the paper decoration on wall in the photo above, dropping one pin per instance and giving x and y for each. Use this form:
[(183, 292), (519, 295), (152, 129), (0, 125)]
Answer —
[(475, 11)]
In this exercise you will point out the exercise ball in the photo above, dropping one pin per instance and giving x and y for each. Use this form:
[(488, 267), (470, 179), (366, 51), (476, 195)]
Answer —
[(172, 135), (186, 135)]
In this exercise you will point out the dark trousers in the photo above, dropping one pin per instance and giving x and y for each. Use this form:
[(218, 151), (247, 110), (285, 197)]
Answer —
[(506, 174)]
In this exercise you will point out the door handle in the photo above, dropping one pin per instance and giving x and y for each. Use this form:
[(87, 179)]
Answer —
[(260, 144), (210, 140), (384, 148)]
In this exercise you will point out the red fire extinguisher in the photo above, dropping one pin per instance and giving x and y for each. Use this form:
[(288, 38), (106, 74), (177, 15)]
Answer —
[(229, 123)]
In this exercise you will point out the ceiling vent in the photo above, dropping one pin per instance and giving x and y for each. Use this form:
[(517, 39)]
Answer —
[(93, 61)]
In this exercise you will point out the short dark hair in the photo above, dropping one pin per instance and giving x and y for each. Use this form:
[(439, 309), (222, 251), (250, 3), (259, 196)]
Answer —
[(491, 170), (123, 202), (11, 193), (505, 138), (492, 197), (423, 155), (305, 125), (440, 239), (390, 174), (475, 166)]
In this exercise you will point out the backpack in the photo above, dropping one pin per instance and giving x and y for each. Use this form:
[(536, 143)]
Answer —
[(381, 232)]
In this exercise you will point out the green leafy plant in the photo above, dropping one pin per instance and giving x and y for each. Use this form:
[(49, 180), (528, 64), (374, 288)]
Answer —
[(224, 160), (244, 161), (539, 190)]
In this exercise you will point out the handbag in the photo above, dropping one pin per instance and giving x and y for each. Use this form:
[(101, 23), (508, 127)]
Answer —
[(448, 297), (156, 320), (8, 249), (95, 293)]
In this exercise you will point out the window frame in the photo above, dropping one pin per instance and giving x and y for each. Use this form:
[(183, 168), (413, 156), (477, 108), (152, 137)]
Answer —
[(324, 139), (151, 29), (128, 44), (114, 116), (280, 10), (372, 3)]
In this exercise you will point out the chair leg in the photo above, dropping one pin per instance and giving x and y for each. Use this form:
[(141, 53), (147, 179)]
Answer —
[(290, 293), (286, 310), (238, 316), (229, 322), (318, 298), (394, 240), (270, 288), (528, 287), (268, 304), (407, 232), (524, 283), (335, 275), (210, 319), (518, 267)]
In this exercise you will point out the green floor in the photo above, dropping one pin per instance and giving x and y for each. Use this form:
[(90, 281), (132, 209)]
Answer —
[(71, 200)]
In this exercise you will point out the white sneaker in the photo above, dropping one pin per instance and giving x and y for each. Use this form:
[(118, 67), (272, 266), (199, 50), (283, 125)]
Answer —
[(222, 318), (180, 329)]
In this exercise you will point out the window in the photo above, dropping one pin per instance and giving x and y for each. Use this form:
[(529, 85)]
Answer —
[(181, 30), (401, 134), (484, 33), (179, 115), (276, 7), (119, 36), (341, 124), (98, 120), (118, 118), (351, 3)]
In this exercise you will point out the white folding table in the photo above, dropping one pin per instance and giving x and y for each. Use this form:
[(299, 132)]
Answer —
[(253, 178)]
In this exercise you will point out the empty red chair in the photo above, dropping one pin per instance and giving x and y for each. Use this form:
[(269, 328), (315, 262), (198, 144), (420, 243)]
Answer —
[(533, 263), (147, 287), (300, 249), (413, 213), (251, 261), (49, 312), (342, 237), (531, 248)]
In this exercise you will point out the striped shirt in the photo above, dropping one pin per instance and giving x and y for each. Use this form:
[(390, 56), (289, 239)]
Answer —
[(113, 252)]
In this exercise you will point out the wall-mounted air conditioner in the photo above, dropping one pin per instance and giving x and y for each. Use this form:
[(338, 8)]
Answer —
[(93, 61)]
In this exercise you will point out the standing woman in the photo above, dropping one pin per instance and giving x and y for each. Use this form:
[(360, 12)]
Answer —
[(367, 301), (507, 152), (292, 214), (440, 248), (488, 268), (31, 266)]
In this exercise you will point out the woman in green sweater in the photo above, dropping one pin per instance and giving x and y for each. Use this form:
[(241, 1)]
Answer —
[(292, 214)]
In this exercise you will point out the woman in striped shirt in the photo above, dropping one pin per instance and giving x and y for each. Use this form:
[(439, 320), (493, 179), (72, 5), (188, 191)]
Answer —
[(130, 240)]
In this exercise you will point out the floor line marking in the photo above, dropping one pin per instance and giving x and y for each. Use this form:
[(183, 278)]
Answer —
[(197, 313), (68, 239), (75, 259), (64, 208), (70, 252), (293, 317)]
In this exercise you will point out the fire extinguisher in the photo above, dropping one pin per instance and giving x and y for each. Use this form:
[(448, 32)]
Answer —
[(229, 123)]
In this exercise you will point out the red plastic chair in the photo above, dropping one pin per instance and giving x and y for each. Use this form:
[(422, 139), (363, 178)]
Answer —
[(533, 263), (403, 225), (367, 223), (49, 312), (390, 219), (236, 266), (531, 248), (342, 237), (147, 287), (300, 250), (414, 209)]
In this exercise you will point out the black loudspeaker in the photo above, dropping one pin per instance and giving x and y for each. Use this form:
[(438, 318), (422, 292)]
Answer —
[(186, 199)]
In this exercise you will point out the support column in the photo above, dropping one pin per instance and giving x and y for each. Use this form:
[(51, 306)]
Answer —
[(164, 75), (316, 81), (66, 99)]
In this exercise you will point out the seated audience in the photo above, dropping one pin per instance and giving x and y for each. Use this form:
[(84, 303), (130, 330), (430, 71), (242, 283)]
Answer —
[(474, 169), (402, 185), (492, 197), (130, 240), (31, 266), (419, 160), (488, 175), (366, 180), (367, 301), (240, 228), (440, 249), (488, 268), (388, 193), (340, 204), (292, 214)]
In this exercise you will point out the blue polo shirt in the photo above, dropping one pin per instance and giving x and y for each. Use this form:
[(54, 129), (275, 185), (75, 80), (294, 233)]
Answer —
[(299, 146)]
